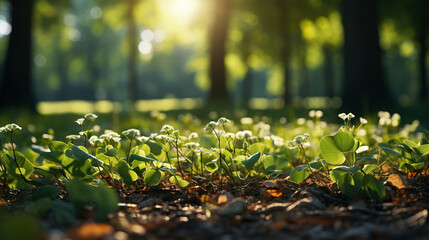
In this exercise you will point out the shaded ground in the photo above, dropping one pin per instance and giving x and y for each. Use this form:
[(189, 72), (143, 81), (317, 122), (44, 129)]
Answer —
[(260, 209)]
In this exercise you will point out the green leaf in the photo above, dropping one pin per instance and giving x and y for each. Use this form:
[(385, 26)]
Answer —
[(364, 159), (155, 148), (336, 174), (80, 153), (257, 147), (211, 166), (332, 148), (46, 191), (280, 163), (423, 149), (299, 173), (390, 151), (351, 169), (127, 175), (371, 168), (316, 165), (374, 188), (57, 146), (348, 185), (153, 177), (250, 162), (81, 193), (179, 181), (140, 158), (410, 144)]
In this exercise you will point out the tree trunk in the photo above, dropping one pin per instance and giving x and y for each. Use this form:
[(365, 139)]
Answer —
[(247, 80), (132, 53), (285, 48), (328, 71), (364, 87), (218, 33), (16, 88), (422, 38)]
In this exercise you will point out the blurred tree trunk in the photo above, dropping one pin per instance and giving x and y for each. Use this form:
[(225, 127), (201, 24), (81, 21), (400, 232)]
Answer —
[(422, 39), (328, 71), (304, 81), (284, 10), (364, 87), (132, 52), (218, 34), (247, 80), (16, 86)]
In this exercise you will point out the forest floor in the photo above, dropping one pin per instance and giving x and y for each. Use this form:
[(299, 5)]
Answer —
[(262, 209)]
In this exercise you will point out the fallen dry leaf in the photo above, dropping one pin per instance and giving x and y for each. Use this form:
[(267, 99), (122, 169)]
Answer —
[(397, 180), (91, 231)]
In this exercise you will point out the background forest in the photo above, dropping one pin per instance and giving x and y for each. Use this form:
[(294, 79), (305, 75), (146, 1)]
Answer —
[(312, 53)]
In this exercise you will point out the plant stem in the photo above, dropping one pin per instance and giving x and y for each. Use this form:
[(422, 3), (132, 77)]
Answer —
[(14, 156), (129, 150), (177, 156)]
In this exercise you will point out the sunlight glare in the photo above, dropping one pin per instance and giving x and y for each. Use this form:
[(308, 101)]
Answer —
[(145, 47), (5, 28), (183, 10), (147, 35)]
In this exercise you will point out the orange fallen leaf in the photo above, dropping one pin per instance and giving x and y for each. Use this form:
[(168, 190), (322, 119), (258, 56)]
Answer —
[(91, 231), (397, 181), (275, 193)]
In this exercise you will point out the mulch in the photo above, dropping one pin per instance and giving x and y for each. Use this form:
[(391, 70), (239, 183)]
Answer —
[(261, 209)]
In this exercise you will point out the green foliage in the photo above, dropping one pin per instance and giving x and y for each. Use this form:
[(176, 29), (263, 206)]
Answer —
[(89, 162), (81, 193), (333, 148)]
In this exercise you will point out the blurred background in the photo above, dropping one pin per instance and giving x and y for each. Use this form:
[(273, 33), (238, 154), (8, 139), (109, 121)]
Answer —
[(60, 56)]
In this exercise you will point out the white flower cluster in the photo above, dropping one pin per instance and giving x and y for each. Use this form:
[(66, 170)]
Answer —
[(346, 117), (91, 116), (385, 119), (111, 135), (243, 134), (193, 135), (246, 121), (73, 137), (316, 114), (211, 126), (222, 121), (263, 129), (131, 133), (277, 141), (10, 128), (298, 141), (167, 129), (80, 121), (193, 147)]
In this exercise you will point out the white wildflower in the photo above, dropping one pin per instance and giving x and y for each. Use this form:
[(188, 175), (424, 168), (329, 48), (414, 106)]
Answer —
[(363, 120), (211, 126), (193, 146), (223, 121), (91, 116), (193, 135), (342, 116), (10, 128), (73, 137), (246, 121), (167, 129), (131, 133), (80, 121)]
